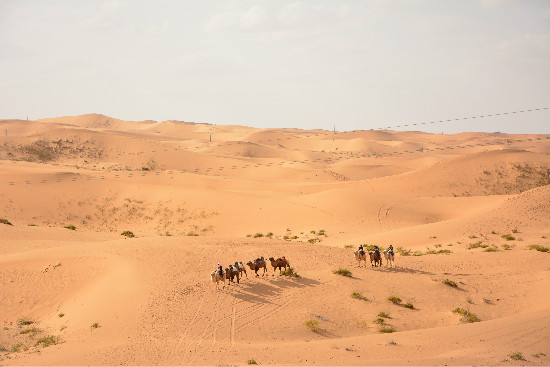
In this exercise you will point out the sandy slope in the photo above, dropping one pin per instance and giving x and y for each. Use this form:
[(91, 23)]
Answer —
[(152, 298)]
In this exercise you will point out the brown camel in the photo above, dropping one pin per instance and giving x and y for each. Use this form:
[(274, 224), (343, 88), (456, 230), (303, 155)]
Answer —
[(257, 265), (241, 268), (375, 259), (216, 278), (279, 263), (231, 273), (360, 256)]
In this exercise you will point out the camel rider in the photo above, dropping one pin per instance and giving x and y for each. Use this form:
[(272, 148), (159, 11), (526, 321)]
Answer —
[(220, 270), (390, 249), (361, 251), (376, 250)]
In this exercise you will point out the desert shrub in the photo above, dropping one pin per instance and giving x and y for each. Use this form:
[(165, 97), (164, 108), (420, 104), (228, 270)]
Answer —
[(128, 234), (394, 299), (61, 314), (469, 300), (258, 235), (493, 232), (517, 356), (491, 249), (343, 272), (47, 341), (378, 320), (434, 252), (467, 316), (71, 227), (192, 234), (508, 237), (386, 329), (5, 221), (348, 246), (32, 330), (515, 230), (248, 235), (506, 246), (539, 248), (384, 314), (251, 361), (312, 232), (472, 236), (95, 325), (321, 232), (478, 244), (24, 321), (290, 273), (18, 347), (313, 240), (450, 283), (269, 234), (359, 295), (403, 252), (286, 237), (409, 305), (31, 225), (313, 325), (145, 168), (294, 237)]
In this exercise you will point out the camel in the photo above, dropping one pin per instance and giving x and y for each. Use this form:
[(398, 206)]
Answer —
[(389, 258), (216, 278), (360, 256), (279, 263), (231, 273), (376, 258), (258, 264), (241, 268)]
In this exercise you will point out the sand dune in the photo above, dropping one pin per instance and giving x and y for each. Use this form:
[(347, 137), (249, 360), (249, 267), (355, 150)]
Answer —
[(471, 208)]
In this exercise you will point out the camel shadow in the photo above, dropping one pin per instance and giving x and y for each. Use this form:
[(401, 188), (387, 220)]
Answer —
[(262, 291), (402, 270)]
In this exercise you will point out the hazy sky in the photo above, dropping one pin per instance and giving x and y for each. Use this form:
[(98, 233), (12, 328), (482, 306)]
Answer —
[(307, 64)]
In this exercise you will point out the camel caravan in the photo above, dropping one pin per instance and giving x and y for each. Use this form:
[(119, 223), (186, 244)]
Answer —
[(234, 272), (375, 256)]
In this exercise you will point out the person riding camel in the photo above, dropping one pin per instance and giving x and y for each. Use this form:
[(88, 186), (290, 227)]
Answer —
[(376, 250), (390, 250), (220, 270), (361, 251)]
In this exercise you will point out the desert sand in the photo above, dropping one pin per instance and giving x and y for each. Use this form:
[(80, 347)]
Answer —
[(470, 208)]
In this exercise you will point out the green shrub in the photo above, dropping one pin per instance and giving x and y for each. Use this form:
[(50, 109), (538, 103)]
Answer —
[(394, 300), (403, 252), (321, 232), (24, 321), (359, 295), (508, 237), (127, 234), (491, 249), (33, 330), (192, 234), (469, 300), (476, 245), (539, 248), (348, 246), (71, 227), (251, 361), (378, 320), (313, 325), (467, 316), (409, 305), (386, 329), (450, 283), (269, 234), (31, 225), (343, 272), (95, 325), (517, 356), (515, 230), (61, 314), (507, 247), (18, 347), (5, 221), (289, 272), (47, 341), (258, 235), (384, 314), (312, 232)]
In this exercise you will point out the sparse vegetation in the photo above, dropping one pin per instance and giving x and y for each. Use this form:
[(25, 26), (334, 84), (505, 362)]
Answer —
[(508, 237), (95, 325), (258, 235), (384, 314), (31, 225), (71, 227), (539, 248), (290, 273), (394, 299), (478, 244), (378, 320), (313, 240), (312, 232), (192, 234), (491, 249), (343, 272), (493, 232), (5, 221), (450, 283), (269, 234), (127, 234), (409, 305), (321, 232), (386, 329), (18, 347), (538, 355), (403, 252), (507, 247), (515, 230), (47, 341), (251, 361), (32, 330), (24, 321), (313, 325), (359, 295), (517, 356), (348, 246), (467, 316), (61, 314)]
